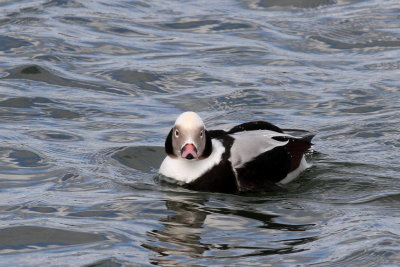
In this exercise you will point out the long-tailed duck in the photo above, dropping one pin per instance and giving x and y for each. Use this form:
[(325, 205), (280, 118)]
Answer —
[(253, 156)]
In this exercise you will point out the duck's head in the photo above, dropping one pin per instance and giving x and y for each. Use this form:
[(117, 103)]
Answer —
[(188, 138)]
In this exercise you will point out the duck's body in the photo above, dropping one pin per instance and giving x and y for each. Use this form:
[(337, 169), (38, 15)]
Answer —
[(253, 156)]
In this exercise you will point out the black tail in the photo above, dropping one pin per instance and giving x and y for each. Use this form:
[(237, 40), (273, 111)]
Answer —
[(307, 138)]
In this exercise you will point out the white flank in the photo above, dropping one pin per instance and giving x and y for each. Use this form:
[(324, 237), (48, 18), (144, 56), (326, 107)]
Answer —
[(189, 170), (295, 173)]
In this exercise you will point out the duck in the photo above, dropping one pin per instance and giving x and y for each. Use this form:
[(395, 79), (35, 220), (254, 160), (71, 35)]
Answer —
[(255, 156)]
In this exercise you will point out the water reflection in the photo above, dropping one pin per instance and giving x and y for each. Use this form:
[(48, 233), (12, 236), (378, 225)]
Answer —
[(181, 233), (197, 227)]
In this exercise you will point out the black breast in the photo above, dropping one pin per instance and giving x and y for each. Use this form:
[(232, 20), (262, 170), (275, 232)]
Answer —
[(221, 177)]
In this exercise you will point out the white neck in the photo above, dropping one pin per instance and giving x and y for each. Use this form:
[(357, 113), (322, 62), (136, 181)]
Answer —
[(189, 170)]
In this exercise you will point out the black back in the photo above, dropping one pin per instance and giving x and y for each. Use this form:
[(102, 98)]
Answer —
[(255, 125)]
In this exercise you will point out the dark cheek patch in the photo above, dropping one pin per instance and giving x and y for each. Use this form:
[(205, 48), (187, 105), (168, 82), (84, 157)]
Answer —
[(207, 147), (169, 148)]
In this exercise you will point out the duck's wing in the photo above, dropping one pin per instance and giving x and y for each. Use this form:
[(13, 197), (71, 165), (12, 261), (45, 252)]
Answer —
[(263, 158)]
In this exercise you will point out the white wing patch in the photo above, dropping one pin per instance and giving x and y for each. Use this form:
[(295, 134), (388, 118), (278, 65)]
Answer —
[(250, 144), (189, 170)]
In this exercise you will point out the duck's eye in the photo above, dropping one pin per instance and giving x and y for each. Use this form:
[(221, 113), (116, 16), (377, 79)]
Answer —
[(176, 133), (201, 134)]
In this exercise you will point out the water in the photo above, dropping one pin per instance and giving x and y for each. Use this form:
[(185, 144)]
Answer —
[(89, 90)]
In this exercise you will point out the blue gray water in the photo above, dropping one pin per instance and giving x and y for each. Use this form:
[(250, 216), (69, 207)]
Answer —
[(89, 90)]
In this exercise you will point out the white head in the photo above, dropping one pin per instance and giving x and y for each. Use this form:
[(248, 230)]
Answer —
[(188, 138)]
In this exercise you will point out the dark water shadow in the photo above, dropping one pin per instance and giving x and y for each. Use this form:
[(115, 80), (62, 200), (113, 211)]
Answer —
[(21, 158), (62, 3), (31, 238), (291, 4), (8, 44), (143, 80), (56, 136), (45, 106), (20, 167), (203, 25), (40, 74), (111, 262), (142, 158)]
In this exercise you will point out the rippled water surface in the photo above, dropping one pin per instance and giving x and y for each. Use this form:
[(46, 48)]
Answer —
[(89, 90)]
